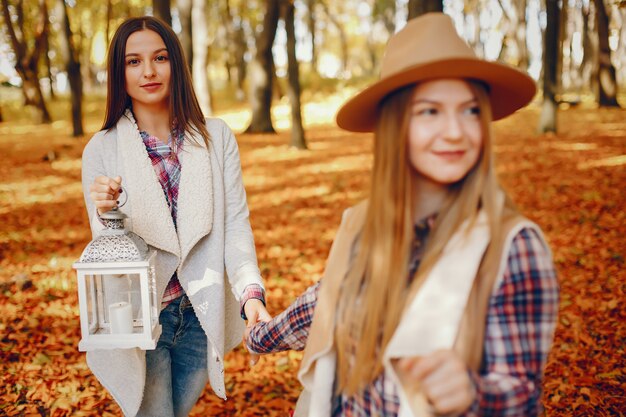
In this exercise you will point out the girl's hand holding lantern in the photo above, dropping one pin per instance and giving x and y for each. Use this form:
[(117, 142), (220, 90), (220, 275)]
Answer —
[(104, 192)]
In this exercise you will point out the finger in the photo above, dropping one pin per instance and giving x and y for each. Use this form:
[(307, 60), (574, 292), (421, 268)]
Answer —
[(264, 316), (115, 184), (100, 188), (101, 179), (254, 358), (426, 365), (253, 318), (407, 364)]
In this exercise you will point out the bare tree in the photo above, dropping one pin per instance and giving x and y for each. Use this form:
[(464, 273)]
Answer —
[(236, 47), (260, 71), (72, 66), (46, 57), (293, 89), (606, 82), (515, 33), (200, 55), (184, 13), (311, 25), (547, 121), (161, 10), (420, 7), (343, 38), (27, 59)]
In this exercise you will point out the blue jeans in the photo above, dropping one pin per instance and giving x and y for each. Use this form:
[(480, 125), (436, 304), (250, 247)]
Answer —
[(176, 371)]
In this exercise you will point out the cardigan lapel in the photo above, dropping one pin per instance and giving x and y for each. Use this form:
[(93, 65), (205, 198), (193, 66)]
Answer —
[(149, 210), (324, 317), (195, 195), (434, 318)]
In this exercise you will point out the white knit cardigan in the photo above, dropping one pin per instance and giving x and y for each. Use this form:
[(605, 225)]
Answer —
[(212, 248)]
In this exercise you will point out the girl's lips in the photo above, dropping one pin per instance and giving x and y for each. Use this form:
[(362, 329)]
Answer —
[(151, 86), (450, 155)]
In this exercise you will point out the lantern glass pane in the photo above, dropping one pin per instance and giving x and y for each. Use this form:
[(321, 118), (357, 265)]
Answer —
[(92, 310), (121, 301)]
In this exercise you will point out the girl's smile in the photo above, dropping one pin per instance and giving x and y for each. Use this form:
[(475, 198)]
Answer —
[(445, 134)]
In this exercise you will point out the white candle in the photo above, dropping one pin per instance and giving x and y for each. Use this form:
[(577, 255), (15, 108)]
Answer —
[(121, 317)]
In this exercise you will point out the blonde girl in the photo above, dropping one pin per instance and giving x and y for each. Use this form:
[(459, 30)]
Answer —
[(438, 296)]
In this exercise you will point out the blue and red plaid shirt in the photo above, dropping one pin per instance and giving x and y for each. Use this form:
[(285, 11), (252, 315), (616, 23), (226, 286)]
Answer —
[(519, 332), (166, 163)]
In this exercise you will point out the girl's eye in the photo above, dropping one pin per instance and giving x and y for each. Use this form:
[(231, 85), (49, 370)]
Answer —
[(161, 58), (132, 61), (428, 111), (474, 110)]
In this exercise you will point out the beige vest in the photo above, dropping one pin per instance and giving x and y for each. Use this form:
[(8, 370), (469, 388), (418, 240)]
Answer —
[(318, 367)]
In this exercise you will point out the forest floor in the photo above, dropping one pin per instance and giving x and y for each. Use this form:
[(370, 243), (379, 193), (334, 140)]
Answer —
[(572, 184)]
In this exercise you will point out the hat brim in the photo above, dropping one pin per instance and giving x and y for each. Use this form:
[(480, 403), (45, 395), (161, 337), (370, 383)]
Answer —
[(509, 89)]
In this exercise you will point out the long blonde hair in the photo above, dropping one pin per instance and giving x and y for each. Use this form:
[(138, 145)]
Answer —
[(376, 288)]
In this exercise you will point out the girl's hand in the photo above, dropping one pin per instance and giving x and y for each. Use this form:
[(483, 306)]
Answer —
[(104, 192), (255, 312), (443, 378)]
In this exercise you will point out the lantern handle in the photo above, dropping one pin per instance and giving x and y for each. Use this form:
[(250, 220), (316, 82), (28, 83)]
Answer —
[(124, 193)]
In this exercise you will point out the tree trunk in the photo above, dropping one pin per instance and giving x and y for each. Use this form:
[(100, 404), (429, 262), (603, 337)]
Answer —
[(293, 89), (26, 61), (587, 66), (161, 9), (49, 66), (606, 82), (385, 12), (547, 121), (520, 35), (72, 66), (343, 39), (311, 25), (560, 81), (109, 16), (240, 60), (420, 7), (200, 56), (261, 76), (236, 48), (186, 35)]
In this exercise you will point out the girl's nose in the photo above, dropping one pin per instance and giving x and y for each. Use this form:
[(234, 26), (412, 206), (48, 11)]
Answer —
[(452, 128), (148, 70)]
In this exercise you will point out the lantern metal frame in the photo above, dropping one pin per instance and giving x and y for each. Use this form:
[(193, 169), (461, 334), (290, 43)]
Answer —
[(95, 330)]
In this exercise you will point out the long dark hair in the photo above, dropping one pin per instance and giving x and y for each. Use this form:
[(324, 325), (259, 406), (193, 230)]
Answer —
[(183, 104)]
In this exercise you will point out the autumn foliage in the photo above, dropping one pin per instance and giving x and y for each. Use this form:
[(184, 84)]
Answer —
[(572, 184)]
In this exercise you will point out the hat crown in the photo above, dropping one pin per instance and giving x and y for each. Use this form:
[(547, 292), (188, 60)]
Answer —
[(429, 38)]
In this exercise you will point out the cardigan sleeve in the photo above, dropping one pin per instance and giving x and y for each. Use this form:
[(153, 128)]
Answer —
[(92, 167), (520, 329), (239, 251)]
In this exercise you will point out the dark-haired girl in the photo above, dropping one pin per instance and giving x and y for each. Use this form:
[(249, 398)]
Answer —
[(186, 199)]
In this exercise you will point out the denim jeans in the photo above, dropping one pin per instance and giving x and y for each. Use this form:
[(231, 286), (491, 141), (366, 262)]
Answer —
[(176, 371)]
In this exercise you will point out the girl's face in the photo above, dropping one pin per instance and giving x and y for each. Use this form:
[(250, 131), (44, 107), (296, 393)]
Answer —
[(445, 134), (147, 69)]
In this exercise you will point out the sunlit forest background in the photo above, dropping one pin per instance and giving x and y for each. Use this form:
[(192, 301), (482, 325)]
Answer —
[(276, 71)]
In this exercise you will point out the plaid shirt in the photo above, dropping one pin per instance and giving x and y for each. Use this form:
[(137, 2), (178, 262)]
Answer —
[(520, 325), (166, 163)]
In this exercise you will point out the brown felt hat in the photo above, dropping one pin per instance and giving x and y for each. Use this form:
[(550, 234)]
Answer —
[(428, 48)]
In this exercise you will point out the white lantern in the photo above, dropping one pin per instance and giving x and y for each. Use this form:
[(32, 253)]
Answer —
[(117, 290)]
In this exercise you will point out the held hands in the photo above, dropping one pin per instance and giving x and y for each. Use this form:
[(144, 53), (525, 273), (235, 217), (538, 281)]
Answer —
[(104, 192), (443, 378), (255, 312)]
